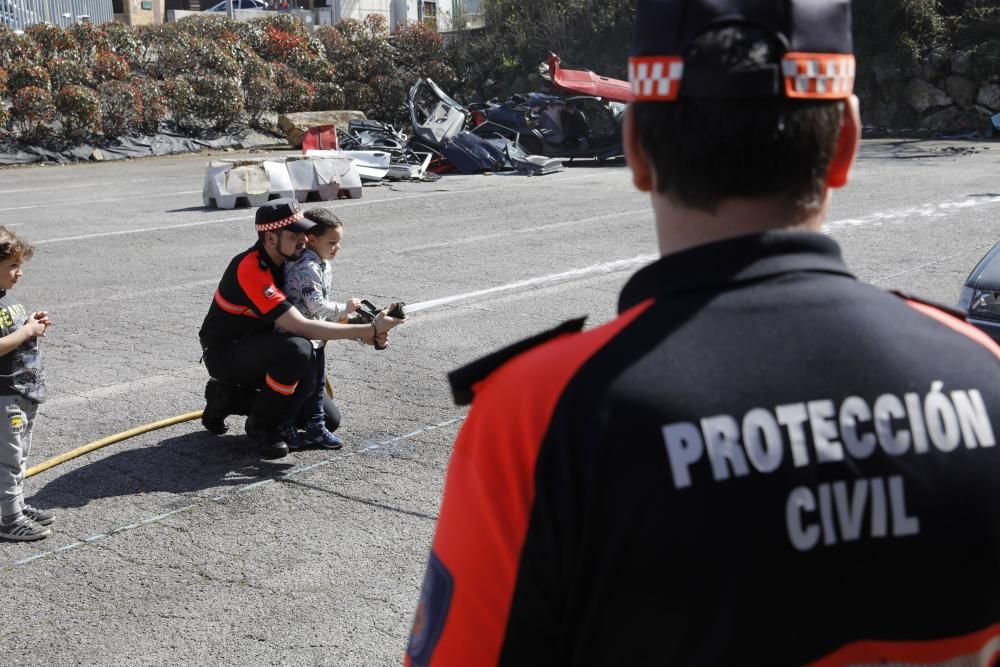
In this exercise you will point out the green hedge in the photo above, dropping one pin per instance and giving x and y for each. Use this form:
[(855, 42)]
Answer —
[(209, 71)]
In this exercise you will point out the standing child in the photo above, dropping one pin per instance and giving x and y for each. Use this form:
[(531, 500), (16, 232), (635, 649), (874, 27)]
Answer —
[(22, 388), (308, 283)]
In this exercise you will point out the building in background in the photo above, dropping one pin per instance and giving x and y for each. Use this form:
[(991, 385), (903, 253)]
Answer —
[(443, 15)]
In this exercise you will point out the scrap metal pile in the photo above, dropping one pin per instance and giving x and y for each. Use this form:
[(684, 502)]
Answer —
[(529, 133)]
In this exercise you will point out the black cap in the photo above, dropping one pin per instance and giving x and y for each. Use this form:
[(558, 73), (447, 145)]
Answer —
[(816, 36), (282, 214)]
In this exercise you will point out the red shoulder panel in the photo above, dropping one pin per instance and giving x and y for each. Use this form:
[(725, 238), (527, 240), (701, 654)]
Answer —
[(958, 325), (258, 284), (978, 648), (490, 489)]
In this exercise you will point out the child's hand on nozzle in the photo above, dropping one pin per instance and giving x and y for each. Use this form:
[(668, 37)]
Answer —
[(353, 304)]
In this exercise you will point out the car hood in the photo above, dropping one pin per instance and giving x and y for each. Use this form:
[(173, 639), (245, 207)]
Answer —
[(436, 118), (986, 275)]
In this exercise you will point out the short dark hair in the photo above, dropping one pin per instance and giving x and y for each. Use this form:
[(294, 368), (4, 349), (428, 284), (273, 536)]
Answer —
[(12, 245), (325, 219), (707, 150)]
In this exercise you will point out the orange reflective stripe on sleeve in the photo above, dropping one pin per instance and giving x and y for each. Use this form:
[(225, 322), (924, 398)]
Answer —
[(958, 325), (283, 389), (979, 649), (490, 491), (232, 308)]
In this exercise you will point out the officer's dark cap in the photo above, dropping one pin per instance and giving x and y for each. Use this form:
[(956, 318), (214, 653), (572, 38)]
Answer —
[(282, 214), (816, 35)]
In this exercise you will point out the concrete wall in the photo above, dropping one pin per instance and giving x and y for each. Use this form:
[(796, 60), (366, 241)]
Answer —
[(142, 12), (359, 9)]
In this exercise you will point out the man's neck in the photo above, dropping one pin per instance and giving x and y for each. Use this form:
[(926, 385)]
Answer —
[(679, 228), (273, 254)]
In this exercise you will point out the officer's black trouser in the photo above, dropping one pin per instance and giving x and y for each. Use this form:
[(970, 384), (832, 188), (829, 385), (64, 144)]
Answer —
[(281, 365)]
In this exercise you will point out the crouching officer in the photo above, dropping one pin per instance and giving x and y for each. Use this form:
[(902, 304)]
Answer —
[(761, 460), (238, 335)]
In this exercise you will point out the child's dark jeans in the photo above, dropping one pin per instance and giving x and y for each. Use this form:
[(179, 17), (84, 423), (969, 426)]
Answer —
[(312, 408)]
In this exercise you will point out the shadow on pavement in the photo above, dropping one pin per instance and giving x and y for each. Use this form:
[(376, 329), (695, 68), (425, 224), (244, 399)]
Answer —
[(190, 208), (183, 464)]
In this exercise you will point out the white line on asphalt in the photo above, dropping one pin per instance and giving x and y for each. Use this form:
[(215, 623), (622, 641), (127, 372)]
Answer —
[(900, 215), (75, 186), (96, 201), (607, 267), (527, 230), (232, 491), (151, 381), (247, 217), (123, 232), (925, 211)]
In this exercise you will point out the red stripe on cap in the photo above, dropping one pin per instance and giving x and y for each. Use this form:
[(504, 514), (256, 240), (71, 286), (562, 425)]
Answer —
[(655, 78), (818, 76), (278, 224)]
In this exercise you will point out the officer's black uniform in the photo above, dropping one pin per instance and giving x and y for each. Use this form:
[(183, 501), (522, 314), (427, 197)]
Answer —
[(238, 335), (761, 461)]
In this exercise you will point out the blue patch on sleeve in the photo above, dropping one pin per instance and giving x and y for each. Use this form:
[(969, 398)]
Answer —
[(432, 611)]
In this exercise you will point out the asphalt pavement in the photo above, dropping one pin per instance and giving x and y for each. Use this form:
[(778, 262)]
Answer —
[(179, 547)]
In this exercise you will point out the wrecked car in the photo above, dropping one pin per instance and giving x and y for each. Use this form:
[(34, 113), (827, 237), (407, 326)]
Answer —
[(439, 127), (980, 295), (572, 126)]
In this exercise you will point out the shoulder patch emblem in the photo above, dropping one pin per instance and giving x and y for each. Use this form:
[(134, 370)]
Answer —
[(269, 291), (432, 612)]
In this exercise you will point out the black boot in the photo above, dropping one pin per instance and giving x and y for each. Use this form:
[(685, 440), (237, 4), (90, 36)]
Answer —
[(216, 407), (268, 439)]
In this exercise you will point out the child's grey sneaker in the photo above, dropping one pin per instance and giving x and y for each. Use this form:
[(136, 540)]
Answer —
[(23, 529), (41, 517), (319, 436)]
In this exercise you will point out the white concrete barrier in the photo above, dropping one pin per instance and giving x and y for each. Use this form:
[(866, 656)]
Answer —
[(252, 182), (227, 182), (346, 168)]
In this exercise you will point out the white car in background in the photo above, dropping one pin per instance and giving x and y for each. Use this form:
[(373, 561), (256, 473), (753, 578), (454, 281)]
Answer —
[(259, 5)]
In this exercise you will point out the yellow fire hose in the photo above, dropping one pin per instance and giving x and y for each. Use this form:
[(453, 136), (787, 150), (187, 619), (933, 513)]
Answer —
[(125, 435), (110, 440)]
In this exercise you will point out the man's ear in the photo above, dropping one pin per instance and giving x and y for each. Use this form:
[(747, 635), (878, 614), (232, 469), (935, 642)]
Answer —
[(642, 170), (847, 144)]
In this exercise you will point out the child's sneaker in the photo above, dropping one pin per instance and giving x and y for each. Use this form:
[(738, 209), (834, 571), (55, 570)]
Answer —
[(41, 517), (23, 529), (319, 436)]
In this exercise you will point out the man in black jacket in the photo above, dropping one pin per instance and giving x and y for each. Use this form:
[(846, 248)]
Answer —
[(761, 460), (238, 334)]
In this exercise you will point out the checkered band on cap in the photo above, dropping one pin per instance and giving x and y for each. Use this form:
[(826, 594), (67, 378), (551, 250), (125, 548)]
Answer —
[(278, 224), (818, 76), (655, 78)]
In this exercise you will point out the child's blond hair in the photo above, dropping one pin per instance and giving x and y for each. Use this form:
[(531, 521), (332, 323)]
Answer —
[(12, 245)]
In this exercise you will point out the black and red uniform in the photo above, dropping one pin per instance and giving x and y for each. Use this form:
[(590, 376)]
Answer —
[(240, 342), (760, 461)]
